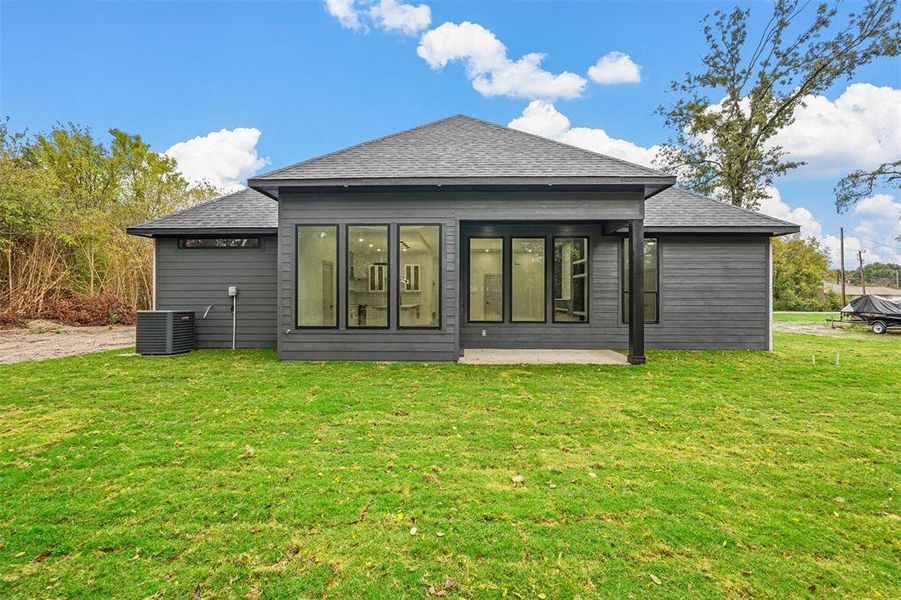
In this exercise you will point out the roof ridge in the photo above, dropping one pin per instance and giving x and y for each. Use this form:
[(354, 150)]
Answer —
[(193, 206), (565, 145), (738, 208), (359, 144)]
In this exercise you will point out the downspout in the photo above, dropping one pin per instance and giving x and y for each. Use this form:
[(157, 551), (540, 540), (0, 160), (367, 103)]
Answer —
[(769, 292), (153, 277)]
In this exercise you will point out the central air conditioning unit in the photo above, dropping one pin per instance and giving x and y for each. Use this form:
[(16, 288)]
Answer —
[(164, 332)]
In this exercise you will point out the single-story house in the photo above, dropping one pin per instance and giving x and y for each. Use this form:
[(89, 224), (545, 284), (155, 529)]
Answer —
[(464, 234), (855, 291)]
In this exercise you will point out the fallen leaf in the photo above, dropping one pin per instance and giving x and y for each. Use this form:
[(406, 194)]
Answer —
[(655, 579), (518, 479), (413, 530)]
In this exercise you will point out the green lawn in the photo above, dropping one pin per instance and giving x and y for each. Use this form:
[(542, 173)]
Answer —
[(708, 474)]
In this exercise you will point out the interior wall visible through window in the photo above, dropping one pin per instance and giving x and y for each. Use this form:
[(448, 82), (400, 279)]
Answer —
[(486, 279), (419, 303), (528, 279), (368, 276), (317, 276)]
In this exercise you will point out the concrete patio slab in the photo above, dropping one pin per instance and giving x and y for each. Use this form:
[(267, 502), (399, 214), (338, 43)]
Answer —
[(488, 356)]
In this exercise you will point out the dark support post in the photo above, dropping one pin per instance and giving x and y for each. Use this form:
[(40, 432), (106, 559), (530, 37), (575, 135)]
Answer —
[(636, 292)]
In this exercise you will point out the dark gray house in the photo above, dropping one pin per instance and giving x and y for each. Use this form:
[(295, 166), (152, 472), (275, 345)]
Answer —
[(464, 234)]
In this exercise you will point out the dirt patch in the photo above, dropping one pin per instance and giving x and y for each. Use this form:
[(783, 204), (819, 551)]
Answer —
[(40, 340), (826, 329)]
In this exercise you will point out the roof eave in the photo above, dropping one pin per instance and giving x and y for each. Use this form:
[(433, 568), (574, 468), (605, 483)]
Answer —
[(199, 231), (773, 230), (270, 187)]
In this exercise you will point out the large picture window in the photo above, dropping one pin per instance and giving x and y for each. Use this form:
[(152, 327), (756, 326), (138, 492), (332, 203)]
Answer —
[(528, 280), (486, 280), (419, 299), (571, 280), (317, 276), (367, 276), (651, 281)]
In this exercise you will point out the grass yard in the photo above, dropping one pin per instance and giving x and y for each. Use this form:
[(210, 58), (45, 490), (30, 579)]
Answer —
[(220, 474), (803, 317)]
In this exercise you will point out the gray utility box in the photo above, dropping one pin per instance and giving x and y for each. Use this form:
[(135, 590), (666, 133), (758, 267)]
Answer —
[(164, 331)]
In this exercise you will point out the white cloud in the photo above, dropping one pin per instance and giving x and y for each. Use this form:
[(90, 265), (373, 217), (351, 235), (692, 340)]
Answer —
[(874, 233), (398, 16), (774, 206), (858, 130), (346, 13), (880, 226), (490, 69), (542, 118), (614, 67), (224, 158)]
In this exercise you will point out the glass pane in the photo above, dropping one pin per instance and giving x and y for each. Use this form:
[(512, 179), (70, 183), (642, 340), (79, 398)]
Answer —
[(486, 279), (219, 243), (367, 276), (528, 279), (650, 307), (420, 295), (650, 280), (317, 276), (650, 265), (571, 279)]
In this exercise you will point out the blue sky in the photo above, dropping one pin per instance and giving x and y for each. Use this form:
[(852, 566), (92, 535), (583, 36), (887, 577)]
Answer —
[(290, 80)]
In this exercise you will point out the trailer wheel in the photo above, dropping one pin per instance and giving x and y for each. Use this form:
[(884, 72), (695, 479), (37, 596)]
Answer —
[(878, 327)]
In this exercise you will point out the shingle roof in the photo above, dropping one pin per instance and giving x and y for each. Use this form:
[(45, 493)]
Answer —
[(245, 210), (677, 209), (460, 150), (670, 210)]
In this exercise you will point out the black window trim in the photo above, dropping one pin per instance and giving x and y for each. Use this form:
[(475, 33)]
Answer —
[(543, 238), (337, 229), (347, 324), (440, 250), (183, 238), (587, 239), (503, 239), (622, 279)]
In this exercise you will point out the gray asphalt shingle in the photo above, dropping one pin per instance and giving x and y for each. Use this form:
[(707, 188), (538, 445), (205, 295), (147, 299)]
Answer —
[(670, 209), (244, 209), (459, 147), (677, 208)]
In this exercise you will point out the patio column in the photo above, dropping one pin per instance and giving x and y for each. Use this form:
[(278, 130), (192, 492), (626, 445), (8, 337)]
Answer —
[(636, 292)]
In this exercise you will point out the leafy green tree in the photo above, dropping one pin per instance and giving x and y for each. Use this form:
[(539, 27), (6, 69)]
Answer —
[(65, 201), (799, 268), (860, 184), (725, 117), (885, 274)]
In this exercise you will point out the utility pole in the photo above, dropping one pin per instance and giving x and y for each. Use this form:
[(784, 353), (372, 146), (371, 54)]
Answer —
[(842, 260), (863, 282)]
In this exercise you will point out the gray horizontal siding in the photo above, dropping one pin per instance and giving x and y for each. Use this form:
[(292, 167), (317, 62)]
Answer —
[(713, 295), (192, 279), (601, 329), (446, 208)]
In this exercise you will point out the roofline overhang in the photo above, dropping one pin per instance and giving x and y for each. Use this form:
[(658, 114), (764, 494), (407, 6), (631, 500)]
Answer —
[(272, 187), (773, 230), (199, 231)]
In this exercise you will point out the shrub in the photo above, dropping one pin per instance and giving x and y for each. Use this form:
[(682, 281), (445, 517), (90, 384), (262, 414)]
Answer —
[(103, 309)]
